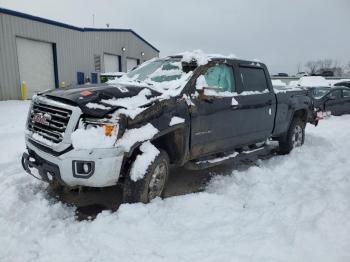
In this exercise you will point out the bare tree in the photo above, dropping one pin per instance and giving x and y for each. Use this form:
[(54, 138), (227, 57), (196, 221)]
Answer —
[(312, 67), (327, 64)]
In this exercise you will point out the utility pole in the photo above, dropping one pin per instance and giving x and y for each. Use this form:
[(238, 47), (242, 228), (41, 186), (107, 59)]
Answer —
[(93, 20)]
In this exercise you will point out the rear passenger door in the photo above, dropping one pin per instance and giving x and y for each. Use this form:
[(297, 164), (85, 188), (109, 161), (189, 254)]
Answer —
[(257, 104), (334, 102), (346, 101)]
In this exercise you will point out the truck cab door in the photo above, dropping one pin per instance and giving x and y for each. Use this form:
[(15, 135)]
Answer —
[(212, 117), (346, 100), (257, 104), (333, 102)]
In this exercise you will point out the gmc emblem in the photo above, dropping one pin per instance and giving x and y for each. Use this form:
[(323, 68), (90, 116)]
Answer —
[(42, 118)]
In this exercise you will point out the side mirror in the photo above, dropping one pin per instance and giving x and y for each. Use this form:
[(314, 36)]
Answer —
[(204, 94), (331, 98)]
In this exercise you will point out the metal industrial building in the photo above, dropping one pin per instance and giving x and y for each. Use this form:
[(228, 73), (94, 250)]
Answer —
[(45, 53)]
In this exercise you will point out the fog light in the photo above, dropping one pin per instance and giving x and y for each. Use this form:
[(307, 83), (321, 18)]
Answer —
[(87, 168), (83, 169)]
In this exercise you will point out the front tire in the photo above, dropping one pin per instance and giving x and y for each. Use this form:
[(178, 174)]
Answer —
[(153, 183), (294, 137)]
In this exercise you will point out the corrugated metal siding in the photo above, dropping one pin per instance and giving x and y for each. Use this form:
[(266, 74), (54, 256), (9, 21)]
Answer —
[(2, 58), (75, 50)]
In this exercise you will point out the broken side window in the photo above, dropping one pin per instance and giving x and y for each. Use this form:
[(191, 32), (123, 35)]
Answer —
[(221, 77)]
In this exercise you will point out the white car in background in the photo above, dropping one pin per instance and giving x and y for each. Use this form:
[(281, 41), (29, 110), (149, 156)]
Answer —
[(301, 74)]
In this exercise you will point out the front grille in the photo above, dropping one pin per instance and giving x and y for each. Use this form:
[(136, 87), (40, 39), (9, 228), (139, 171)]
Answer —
[(55, 121)]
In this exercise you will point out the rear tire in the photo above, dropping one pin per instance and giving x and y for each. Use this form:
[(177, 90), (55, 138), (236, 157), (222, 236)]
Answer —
[(294, 137), (151, 185)]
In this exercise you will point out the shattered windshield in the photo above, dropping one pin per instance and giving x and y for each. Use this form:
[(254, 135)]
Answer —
[(158, 71)]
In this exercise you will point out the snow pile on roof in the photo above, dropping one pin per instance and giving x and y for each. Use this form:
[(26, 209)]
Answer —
[(93, 137), (278, 82), (312, 81), (288, 208), (176, 120), (202, 58), (135, 135), (198, 55), (143, 161), (333, 82)]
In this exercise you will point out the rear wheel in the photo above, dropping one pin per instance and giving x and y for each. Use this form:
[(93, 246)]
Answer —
[(151, 185), (294, 137)]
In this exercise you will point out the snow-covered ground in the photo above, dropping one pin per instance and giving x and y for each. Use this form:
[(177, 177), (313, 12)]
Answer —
[(289, 208)]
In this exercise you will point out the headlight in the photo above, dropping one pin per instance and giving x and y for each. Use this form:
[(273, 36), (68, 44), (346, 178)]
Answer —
[(110, 128)]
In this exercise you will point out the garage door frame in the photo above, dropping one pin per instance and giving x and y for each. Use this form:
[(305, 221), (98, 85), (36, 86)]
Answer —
[(54, 57), (132, 58), (120, 69)]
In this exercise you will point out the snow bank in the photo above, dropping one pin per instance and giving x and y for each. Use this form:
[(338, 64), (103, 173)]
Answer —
[(143, 161), (289, 208), (176, 120), (135, 135)]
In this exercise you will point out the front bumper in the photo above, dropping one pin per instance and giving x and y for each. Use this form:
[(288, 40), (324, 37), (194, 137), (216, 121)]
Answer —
[(107, 164)]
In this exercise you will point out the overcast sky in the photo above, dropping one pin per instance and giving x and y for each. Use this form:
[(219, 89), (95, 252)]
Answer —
[(281, 33)]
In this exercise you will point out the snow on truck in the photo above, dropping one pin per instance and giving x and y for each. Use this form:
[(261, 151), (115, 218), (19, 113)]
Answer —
[(191, 110)]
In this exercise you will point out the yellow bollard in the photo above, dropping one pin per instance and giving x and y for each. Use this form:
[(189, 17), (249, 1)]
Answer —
[(24, 90), (62, 85)]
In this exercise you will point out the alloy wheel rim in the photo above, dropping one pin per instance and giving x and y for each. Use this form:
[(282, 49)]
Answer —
[(297, 137), (157, 182)]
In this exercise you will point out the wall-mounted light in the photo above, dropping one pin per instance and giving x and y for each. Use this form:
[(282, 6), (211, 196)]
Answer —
[(142, 53), (123, 49)]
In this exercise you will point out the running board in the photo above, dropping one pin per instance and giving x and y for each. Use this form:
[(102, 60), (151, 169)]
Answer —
[(235, 157)]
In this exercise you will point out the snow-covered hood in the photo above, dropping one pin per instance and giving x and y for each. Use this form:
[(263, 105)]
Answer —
[(99, 100)]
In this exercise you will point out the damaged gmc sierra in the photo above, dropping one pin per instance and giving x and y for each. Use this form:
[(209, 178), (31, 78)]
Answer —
[(190, 110)]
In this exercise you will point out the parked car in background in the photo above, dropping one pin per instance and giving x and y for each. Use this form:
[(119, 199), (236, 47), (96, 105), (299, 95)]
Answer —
[(344, 83), (104, 77), (326, 73), (335, 101), (281, 75), (301, 74)]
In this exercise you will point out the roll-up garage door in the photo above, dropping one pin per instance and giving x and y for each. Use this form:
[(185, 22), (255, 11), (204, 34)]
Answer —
[(130, 63), (36, 65), (111, 63)]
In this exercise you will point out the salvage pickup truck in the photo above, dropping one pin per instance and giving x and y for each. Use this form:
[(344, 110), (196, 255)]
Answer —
[(190, 110)]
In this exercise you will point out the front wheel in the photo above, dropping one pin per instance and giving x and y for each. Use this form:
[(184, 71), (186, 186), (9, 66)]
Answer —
[(294, 137), (151, 185)]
